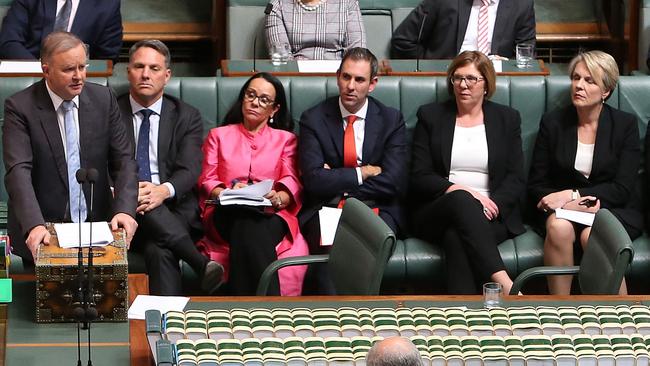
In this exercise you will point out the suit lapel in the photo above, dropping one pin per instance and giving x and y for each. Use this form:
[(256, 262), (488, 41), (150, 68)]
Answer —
[(49, 9), (373, 126), (447, 126), (165, 131), (603, 135), (334, 122), (464, 9), (50, 125), (493, 134), (569, 138), (503, 18), (86, 118), (85, 7)]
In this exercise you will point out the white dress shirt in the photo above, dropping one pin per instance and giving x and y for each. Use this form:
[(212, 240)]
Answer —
[(470, 43), (359, 132), (60, 117), (154, 127)]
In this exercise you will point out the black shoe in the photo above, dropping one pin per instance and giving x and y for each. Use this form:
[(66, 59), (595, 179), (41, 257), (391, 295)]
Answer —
[(212, 277)]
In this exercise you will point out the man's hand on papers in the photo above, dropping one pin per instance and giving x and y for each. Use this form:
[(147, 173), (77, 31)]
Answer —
[(128, 223), (37, 235)]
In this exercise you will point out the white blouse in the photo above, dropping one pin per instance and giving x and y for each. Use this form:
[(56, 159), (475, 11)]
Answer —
[(584, 158), (469, 158)]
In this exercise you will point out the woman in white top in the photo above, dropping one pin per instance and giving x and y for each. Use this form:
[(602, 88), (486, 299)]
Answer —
[(587, 151), (467, 176)]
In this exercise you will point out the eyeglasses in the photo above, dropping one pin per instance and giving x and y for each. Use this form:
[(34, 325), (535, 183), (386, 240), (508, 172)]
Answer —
[(250, 96), (470, 80)]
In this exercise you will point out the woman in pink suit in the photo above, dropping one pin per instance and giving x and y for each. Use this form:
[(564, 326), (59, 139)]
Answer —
[(256, 143)]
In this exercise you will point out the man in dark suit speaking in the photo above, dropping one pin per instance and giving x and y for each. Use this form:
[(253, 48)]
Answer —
[(352, 145), (53, 128), (166, 134), (447, 27), (98, 23)]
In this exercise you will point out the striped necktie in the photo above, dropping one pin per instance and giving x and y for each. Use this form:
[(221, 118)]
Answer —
[(76, 195), (483, 25), (63, 17)]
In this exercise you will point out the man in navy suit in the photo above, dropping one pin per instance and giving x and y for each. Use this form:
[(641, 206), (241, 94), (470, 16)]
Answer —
[(448, 27), (98, 23), (373, 171), (53, 128)]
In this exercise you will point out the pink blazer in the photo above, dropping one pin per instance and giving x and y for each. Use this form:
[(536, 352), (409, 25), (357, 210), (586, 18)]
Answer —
[(232, 152)]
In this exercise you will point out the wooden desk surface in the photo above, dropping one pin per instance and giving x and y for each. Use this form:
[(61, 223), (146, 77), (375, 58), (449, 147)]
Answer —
[(386, 68), (96, 68), (140, 354)]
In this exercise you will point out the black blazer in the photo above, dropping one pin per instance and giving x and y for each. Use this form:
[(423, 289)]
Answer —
[(97, 22), (321, 142), (614, 169), (180, 137), (36, 170), (446, 23), (431, 157)]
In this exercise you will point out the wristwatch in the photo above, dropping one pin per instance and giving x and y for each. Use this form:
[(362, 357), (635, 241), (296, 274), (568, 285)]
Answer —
[(574, 194)]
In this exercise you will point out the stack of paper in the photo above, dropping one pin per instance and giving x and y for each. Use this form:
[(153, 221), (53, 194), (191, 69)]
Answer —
[(253, 195)]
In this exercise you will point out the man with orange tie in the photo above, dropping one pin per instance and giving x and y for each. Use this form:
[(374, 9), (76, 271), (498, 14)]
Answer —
[(351, 145)]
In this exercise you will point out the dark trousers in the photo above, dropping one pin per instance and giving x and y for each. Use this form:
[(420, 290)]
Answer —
[(164, 238), (253, 236), (317, 279), (469, 239)]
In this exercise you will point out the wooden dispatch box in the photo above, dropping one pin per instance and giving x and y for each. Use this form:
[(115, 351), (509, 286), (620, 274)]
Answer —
[(57, 282)]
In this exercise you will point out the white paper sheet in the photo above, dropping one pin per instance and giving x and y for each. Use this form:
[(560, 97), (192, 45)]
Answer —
[(585, 218), (253, 195), (20, 67), (164, 304), (329, 220), (498, 65), (68, 234), (318, 66)]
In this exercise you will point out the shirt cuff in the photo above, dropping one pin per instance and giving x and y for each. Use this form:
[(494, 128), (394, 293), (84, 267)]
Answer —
[(359, 176), (172, 191)]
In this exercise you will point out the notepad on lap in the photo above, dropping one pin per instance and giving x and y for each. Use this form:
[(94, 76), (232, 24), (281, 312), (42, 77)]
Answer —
[(585, 218)]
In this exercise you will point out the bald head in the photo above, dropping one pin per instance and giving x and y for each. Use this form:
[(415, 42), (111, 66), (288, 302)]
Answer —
[(394, 351)]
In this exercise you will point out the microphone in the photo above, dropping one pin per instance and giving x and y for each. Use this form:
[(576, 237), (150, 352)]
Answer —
[(78, 311), (267, 11), (418, 46)]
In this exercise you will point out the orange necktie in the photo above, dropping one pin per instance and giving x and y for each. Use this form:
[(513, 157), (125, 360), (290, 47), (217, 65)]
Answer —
[(349, 148)]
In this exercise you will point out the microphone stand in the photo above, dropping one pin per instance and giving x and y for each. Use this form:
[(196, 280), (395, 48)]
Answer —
[(418, 46), (267, 11), (78, 311), (91, 311)]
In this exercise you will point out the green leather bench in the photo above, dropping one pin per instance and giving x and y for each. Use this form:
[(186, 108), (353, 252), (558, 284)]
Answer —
[(415, 266)]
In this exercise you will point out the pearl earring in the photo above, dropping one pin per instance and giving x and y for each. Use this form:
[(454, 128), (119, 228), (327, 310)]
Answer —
[(271, 119)]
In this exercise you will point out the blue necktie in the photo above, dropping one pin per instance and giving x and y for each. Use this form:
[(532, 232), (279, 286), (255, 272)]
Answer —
[(63, 17), (142, 152), (72, 147)]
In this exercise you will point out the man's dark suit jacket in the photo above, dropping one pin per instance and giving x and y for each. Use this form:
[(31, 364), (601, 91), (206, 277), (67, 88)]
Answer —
[(36, 170), (515, 23), (431, 158), (97, 22), (180, 137), (614, 169), (384, 145)]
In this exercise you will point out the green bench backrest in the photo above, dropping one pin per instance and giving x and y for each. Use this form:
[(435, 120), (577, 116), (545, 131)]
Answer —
[(531, 96)]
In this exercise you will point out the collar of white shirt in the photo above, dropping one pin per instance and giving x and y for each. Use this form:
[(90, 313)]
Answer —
[(361, 113), (136, 107)]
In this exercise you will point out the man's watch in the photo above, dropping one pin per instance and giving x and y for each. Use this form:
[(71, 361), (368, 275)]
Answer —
[(574, 194)]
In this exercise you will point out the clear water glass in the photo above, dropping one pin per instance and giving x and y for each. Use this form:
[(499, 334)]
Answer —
[(492, 292), (280, 54), (525, 52)]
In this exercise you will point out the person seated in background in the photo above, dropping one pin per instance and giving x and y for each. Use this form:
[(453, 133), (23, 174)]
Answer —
[(98, 23), (439, 29), (394, 351), (166, 134), (315, 29), (585, 152), (256, 143), (351, 145), (51, 130), (467, 176)]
